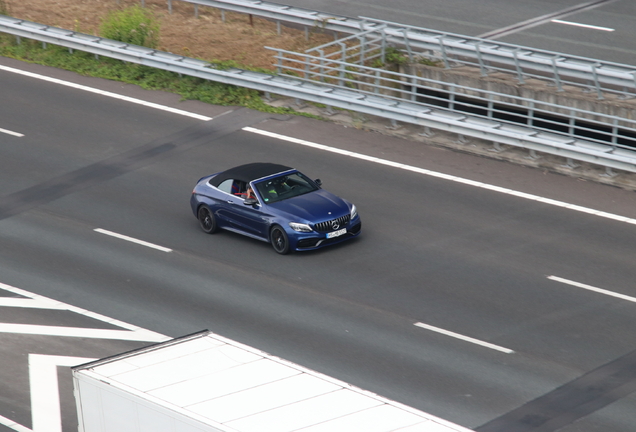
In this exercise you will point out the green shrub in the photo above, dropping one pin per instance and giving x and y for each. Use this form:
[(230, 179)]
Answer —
[(134, 25), (395, 56)]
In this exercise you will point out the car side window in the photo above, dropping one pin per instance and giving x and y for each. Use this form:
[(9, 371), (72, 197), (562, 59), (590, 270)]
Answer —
[(226, 186)]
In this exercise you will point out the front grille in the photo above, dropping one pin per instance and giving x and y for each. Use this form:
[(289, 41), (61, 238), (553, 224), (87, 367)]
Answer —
[(323, 227)]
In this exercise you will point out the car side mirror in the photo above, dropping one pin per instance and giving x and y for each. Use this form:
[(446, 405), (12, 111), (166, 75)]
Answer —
[(318, 182), (250, 202)]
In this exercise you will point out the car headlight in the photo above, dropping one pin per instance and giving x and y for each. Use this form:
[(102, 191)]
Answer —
[(300, 227), (354, 211)]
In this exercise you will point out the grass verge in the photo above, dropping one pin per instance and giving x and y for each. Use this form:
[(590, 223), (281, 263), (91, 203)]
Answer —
[(189, 88)]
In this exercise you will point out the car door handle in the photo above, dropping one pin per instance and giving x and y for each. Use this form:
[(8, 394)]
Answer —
[(230, 202)]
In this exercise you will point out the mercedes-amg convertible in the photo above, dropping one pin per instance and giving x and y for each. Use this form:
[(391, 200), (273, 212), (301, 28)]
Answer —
[(275, 204)]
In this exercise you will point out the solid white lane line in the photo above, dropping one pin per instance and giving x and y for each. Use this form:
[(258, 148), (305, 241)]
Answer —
[(464, 338), (26, 303), (106, 93), (591, 288), (444, 176), (7, 131), (607, 29), (133, 240), (91, 333)]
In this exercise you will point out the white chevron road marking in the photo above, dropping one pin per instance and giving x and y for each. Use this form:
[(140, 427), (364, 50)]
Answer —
[(43, 369)]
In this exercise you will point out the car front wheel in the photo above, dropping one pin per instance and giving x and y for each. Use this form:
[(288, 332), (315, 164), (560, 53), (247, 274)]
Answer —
[(279, 240), (207, 220)]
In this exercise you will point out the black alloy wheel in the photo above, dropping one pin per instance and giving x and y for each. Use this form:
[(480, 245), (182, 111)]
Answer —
[(279, 240), (206, 220)]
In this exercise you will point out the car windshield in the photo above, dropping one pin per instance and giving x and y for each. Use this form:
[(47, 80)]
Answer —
[(284, 187)]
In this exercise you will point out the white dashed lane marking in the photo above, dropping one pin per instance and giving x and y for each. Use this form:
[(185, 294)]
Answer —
[(592, 288), (464, 338), (132, 240), (587, 26), (8, 132)]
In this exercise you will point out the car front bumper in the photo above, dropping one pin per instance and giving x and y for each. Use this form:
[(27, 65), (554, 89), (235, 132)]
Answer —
[(313, 240)]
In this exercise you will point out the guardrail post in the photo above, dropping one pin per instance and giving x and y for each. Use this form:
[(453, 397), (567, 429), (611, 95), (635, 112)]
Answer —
[(330, 111), (428, 133), (408, 46), (491, 106), (615, 131), (518, 66), (383, 49), (223, 15), (557, 77), (443, 49), (482, 67), (376, 88), (531, 113), (307, 68), (322, 65), (279, 63), (571, 124), (394, 125), (496, 147), (569, 163), (343, 58), (169, 6), (196, 11), (414, 89), (363, 47), (598, 86), (609, 172)]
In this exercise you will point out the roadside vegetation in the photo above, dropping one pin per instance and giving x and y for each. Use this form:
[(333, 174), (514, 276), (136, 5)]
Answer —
[(136, 26), (143, 26)]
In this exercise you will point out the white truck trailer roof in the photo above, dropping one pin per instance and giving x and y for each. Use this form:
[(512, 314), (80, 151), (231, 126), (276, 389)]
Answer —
[(205, 382)]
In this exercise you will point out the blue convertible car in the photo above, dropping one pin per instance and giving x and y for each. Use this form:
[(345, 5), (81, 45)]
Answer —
[(276, 204)]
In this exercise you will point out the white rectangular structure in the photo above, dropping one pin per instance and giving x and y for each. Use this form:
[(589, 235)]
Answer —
[(207, 383)]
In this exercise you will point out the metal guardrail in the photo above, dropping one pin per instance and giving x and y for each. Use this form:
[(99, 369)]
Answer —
[(281, 13), (339, 96), (450, 48), (497, 111)]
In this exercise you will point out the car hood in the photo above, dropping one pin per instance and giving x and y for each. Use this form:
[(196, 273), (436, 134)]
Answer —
[(313, 207)]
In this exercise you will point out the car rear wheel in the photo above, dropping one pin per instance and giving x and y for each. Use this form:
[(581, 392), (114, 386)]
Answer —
[(206, 220), (279, 240)]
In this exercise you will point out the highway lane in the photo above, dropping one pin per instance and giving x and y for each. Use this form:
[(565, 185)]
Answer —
[(476, 18), (468, 260)]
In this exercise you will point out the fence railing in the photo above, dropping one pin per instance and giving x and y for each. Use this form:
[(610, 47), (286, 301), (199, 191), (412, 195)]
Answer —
[(334, 85), (453, 49), (608, 131)]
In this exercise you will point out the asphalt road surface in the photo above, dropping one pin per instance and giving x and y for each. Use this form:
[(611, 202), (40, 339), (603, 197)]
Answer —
[(595, 29), (495, 296)]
